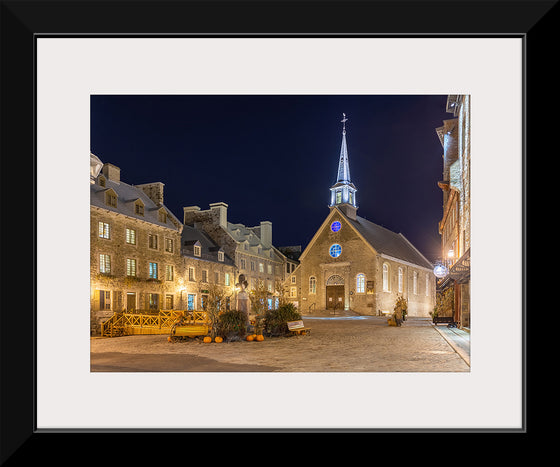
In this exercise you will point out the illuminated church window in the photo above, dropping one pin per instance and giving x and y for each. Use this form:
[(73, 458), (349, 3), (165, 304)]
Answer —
[(335, 250), (335, 226)]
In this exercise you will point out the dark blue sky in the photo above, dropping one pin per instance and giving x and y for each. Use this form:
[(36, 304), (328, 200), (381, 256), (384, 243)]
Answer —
[(275, 157)]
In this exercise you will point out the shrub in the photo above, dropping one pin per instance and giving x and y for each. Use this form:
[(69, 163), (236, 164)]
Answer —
[(275, 321), (232, 325)]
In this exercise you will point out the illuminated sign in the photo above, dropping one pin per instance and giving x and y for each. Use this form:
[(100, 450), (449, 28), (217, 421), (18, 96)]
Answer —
[(440, 271)]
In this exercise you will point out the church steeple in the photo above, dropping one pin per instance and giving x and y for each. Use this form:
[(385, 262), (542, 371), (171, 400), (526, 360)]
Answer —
[(343, 192)]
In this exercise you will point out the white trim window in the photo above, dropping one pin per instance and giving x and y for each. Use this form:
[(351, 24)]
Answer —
[(104, 264), (400, 281), (361, 283), (313, 284), (385, 277), (415, 283), (104, 230)]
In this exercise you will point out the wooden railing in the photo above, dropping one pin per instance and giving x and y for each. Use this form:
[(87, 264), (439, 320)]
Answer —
[(150, 323)]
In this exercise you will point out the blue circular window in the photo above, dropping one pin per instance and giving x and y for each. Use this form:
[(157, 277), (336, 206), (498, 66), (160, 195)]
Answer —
[(335, 226), (335, 250)]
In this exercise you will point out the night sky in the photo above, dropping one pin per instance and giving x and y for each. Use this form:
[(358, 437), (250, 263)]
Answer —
[(275, 157)]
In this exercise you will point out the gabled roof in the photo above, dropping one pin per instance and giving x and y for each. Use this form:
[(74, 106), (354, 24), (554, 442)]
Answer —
[(127, 195), (380, 239), (209, 249)]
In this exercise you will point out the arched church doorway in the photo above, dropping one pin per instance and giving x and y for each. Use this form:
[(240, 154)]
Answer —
[(335, 292)]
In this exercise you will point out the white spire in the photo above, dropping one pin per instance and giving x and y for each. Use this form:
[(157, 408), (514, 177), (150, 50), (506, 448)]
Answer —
[(343, 192), (343, 166)]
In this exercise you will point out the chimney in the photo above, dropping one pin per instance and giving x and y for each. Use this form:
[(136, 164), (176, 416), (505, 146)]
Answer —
[(154, 191), (112, 172), (266, 234), (189, 214), (221, 209)]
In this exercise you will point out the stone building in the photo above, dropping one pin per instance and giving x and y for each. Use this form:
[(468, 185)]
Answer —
[(142, 257), (250, 248), (454, 227), (353, 264)]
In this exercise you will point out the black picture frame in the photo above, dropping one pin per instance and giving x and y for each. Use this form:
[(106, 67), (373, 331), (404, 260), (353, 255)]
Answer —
[(22, 22)]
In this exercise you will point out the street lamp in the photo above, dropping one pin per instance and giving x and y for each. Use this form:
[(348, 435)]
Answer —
[(95, 166)]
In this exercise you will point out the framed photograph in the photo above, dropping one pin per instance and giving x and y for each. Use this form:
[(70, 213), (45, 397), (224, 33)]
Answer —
[(74, 66)]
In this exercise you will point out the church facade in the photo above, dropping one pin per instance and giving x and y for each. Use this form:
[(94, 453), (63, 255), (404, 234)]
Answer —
[(353, 264)]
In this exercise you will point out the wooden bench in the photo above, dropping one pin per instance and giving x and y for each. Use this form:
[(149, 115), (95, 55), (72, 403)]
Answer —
[(297, 327), (443, 319)]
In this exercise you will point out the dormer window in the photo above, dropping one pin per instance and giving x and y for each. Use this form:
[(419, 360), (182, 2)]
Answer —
[(111, 198), (139, 208), (162, 216), (101, 181), (220, 255), (197, 249)]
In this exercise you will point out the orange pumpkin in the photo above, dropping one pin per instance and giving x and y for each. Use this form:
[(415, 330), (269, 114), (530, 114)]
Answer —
[(207, 339), (249, 338), (260, 337), (218, 339), (169, 339)]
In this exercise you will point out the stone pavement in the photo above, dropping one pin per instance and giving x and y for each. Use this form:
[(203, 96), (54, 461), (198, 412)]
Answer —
[(335, 344)]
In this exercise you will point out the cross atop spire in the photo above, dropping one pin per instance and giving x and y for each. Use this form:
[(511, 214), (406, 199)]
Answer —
[(344, 120), (343, 192)]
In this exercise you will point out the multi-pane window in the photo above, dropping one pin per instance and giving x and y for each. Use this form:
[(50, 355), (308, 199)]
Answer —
[(293, 292), (415, 282), (335, 250), (168, 272), (269, 268), (169, 302), (312, 284), (243, 263), (360, 283), (139, 209), (111, 199), (169, 245), (261, 267), (191, 274), (130, 267), (400, 281), (104, 230), (385, 277), (104, 264), (153, 270), (153, 301), (131, 236), (204, 275), (226, 278), (197, 250), (152, 241), (220, 255), (427, 285), (191, 300)]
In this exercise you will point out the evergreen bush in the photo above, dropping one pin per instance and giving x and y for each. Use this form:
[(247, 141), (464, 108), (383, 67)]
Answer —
[(275, 321), (232, 325)]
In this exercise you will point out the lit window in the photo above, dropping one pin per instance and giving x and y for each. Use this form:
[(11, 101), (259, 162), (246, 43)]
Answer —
[(130, 267), (168, 272), (197, 250), (169, 245), (104, 264), (335, 250), (191, 300), (191, 274), (169, 302), (226, 280), (360, 283), (400, 280), (220, 255), (103, 230), (293, 292), (153, 301), (335, 226), (338, 197), (261, 267), (131, 236), (269, 268), (385, 277), (153, 271), (415, 282), (312, 284), (269, 286), (152, 241)]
